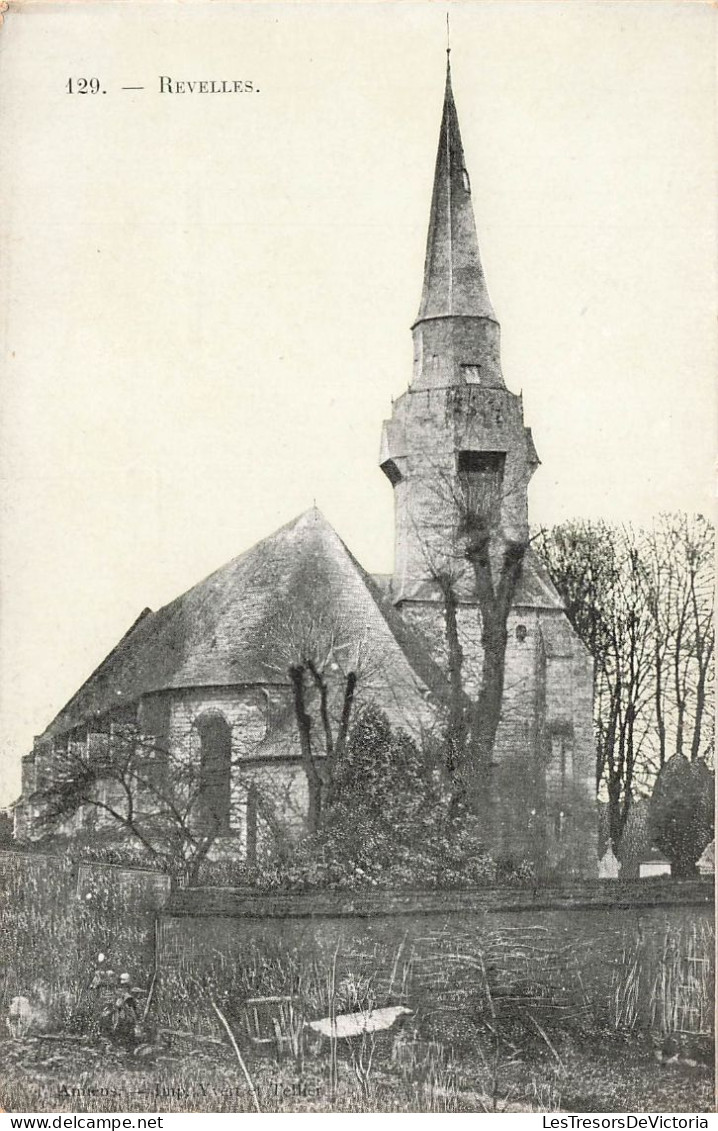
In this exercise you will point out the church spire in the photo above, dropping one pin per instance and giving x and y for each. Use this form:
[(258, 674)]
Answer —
[(457, 436), (454, 283)]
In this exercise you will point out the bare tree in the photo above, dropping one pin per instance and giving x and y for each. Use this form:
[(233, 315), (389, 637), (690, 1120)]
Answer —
[(599, 571), (642, 602), (320, 655), (132, 785), (475, 565), (679, 566)]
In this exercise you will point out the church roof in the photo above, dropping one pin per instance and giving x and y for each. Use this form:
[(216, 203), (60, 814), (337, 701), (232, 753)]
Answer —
[(535, 589), (227, 629), (454, 282)]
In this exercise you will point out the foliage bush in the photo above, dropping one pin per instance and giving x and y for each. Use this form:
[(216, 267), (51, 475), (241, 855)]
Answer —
[(387, 825), (682, 812)]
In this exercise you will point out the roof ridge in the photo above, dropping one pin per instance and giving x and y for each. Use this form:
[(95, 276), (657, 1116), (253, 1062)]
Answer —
[(428, 670), (218, 632), (284, 528)]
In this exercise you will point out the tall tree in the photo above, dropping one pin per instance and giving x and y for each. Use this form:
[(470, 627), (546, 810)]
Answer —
[(641, 600), (679, 566), (476, 570)]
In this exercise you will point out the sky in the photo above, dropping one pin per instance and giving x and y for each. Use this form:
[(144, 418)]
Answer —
[(206, 299)]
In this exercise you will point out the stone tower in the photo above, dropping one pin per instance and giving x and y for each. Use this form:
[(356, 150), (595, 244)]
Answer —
[(457, 429), (456, 445)]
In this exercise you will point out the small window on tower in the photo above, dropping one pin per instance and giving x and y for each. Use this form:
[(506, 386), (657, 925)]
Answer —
[(521, 633), (465, 179), (472, 374)]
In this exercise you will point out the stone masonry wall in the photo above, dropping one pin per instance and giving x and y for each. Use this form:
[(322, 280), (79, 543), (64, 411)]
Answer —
[(547, 702), (422, 442)]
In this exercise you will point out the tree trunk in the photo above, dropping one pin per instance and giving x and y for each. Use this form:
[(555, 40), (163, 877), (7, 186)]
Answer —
[(495, 605), (487, 712), (456, 753), (334, 761), (304, 725)]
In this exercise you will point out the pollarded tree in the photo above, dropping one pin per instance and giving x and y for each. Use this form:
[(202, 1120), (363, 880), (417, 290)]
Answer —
[(478, 565), (320, 656)]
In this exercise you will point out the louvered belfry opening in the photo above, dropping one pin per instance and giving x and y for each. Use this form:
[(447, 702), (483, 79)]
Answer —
[(481, 475)]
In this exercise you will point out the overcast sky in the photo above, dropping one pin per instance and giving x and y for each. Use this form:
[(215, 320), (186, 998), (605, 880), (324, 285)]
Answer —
[(206, 298)]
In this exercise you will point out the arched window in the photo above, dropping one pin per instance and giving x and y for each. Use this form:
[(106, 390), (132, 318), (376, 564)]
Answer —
[(215, 739), (561, 759), (559, 778)]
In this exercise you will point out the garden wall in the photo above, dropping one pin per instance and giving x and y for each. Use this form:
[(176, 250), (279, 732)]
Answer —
[(619, 955), (606, 894), (137, 890)]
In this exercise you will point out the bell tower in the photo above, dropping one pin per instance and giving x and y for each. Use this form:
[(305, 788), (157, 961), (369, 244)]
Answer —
[(456, 438), (460, 459)]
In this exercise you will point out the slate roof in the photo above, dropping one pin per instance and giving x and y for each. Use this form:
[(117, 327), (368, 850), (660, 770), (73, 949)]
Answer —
[(535, 589), (223, 631), (454, 281)]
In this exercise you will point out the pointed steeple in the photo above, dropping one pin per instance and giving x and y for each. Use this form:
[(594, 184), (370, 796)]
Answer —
[(457, 433), (454, 283)]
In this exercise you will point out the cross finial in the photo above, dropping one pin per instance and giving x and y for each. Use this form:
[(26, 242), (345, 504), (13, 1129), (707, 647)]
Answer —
[(448, 36)]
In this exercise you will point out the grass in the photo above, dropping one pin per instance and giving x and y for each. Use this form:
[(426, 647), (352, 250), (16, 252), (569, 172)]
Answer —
[(52, 938), (537, 1012), (190, 1077)]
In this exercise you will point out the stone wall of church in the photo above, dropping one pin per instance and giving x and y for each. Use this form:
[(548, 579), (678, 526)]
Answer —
[(265, 752), (250, 714), (543, 783), (543, 780), (245, 710)]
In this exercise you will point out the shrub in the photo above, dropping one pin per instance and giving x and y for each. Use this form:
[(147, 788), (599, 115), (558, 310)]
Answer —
[(681, 812), (387, 825)]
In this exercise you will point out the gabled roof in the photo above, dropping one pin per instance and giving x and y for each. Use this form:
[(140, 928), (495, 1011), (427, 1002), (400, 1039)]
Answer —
[(454, 283), (225, 630)]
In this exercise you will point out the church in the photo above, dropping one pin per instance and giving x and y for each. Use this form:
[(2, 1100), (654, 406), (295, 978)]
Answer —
[(210, 683)]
